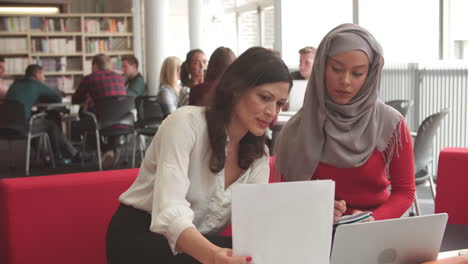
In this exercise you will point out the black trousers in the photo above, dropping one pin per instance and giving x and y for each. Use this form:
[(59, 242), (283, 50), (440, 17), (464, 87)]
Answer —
[(60, 144), (129, 240)]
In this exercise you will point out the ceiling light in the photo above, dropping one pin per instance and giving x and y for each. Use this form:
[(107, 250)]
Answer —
[(29, 10)]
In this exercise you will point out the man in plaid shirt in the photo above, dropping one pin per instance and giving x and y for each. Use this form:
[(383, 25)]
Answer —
[(100, 83)]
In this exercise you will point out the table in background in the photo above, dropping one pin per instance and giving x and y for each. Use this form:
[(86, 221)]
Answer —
[(282, 119), (63, 107)]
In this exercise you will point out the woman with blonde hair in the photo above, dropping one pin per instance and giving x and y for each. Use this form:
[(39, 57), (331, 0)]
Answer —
[(169, 89)]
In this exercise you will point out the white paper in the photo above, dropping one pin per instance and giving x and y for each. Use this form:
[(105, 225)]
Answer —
[(283, 223)]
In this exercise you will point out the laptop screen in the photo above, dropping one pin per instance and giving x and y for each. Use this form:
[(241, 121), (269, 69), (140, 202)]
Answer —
[(296, 96)]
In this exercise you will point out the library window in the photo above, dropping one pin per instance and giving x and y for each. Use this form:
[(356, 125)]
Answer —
[(251, 21)]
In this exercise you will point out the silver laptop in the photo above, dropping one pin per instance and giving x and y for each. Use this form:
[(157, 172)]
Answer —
[(406, 240), (296, 96)]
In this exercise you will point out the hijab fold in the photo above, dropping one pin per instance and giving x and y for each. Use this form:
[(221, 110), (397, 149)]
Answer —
[(342, 136)]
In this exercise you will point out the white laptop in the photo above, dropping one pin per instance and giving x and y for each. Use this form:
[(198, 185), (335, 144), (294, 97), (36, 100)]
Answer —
[(296, 96), (406, 240)]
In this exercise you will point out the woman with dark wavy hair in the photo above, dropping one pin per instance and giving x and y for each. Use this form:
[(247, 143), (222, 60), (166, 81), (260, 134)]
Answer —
[(181, 199)]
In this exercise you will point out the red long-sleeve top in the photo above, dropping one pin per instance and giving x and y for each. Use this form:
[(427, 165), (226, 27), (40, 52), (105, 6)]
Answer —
[(365, 188)]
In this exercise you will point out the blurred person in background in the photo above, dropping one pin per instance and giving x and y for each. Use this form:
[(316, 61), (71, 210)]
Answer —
[(192, 72), (102, 82), (134, 83), (3, 86), (169, 88), (306, 61), (221, 58), (29, 91)]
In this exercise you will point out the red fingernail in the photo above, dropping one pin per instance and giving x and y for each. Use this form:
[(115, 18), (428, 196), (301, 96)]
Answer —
[(248, 259)]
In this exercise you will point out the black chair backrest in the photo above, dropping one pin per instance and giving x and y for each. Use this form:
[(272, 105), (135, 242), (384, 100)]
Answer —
[(114, 111), (423, 142), (149, 110), (12, 117), (402, 106)]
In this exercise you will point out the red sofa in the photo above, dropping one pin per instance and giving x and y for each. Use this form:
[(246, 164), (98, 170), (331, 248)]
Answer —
[(452, 184), (60, 218)]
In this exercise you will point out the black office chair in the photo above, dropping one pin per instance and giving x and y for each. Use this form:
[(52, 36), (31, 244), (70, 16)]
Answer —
[(402, 106), (423, 143), (149, 117), (113, 118), (13, 126)]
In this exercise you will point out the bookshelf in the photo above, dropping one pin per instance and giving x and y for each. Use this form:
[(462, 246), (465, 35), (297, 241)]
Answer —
[(64, 44)]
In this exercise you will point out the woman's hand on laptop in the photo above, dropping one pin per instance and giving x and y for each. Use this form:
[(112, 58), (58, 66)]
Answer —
[(340, 209), (370, 219)]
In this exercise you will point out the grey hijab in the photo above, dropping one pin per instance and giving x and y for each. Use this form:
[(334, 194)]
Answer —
[(342, 136)]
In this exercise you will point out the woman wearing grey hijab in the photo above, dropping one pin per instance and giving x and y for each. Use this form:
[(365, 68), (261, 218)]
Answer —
[(345, 133)]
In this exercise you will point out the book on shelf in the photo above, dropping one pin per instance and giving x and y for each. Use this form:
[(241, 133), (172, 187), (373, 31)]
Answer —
[(116, 64), (27, 39), (13, 45), (62, 84), (16, 65), (105, 25), (49, 24), (98, 45), (13, 24), (35, 24), (53, 45)]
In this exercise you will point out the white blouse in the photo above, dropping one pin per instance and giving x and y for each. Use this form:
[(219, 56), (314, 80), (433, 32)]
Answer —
[(175, 184)]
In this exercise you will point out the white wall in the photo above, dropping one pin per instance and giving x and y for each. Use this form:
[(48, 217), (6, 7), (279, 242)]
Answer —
[(407, 30), (178, 43), (305, 23)]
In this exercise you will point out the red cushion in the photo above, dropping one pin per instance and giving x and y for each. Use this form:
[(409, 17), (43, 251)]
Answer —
[(60, 218), (452, 185)]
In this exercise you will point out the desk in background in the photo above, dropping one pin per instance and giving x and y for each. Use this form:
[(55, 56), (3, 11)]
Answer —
[(69, 113)]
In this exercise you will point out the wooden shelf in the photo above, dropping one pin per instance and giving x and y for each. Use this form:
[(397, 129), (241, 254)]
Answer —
[(60, 44), (94, 15), (37, 54), (110, 53), (10, 53), (108, 34), (14, 73), (55, 34), (5, 33), (63, 73)]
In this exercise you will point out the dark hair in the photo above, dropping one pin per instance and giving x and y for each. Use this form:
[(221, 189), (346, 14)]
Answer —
[(130, 59), (101, 61), (2, 59), (32, 70), (254, 67), (184, 68), (221, 58)]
